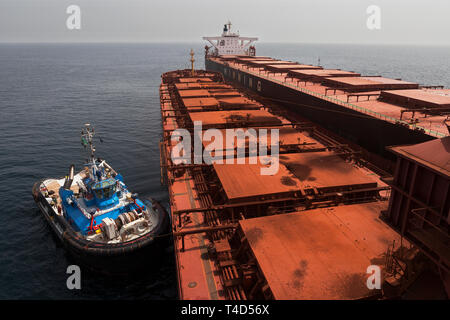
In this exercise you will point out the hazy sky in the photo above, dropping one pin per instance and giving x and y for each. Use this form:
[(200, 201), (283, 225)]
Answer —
[(309, 21)]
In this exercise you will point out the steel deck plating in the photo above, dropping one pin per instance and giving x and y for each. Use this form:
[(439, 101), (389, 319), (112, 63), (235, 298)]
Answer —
[(322, 195)]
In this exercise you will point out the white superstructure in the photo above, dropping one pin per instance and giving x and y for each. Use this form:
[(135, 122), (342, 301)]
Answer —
[(231, 43)]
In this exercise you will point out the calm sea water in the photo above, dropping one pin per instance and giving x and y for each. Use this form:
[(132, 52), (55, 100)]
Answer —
[(47, 93)]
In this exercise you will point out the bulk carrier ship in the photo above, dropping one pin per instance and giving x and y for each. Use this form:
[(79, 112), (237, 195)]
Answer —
[(371, 111), (329, 216)]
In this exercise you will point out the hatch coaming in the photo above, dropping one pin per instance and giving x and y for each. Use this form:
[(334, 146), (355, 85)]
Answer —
[(201, 188)]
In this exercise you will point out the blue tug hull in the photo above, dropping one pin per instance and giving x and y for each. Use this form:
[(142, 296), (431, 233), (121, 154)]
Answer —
[(119, 258)]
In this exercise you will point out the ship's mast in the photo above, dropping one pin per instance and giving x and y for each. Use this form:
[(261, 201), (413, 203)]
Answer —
[(192, 62), (229, 26), (87, 135)]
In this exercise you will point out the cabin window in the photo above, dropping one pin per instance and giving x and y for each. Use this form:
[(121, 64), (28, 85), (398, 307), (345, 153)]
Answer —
[(109, 191), (98, 193)]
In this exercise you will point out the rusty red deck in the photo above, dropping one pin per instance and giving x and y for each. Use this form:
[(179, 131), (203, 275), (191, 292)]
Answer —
[(306, 210), (369, 83), (373, 96), (297, 172), (322, 253)]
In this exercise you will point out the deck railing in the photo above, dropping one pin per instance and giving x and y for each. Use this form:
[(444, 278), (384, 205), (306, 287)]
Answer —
[(378, 115)]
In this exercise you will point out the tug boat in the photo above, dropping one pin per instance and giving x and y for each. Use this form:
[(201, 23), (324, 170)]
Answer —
[(101, 223)]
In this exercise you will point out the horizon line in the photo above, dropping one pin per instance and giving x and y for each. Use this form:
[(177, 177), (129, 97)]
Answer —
[(202, 42)]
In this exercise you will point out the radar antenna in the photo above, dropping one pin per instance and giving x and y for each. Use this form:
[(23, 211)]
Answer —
[(229, 26)]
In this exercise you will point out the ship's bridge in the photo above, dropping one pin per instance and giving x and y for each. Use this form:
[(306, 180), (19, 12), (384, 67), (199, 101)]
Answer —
[(230, 43), (104, 189)]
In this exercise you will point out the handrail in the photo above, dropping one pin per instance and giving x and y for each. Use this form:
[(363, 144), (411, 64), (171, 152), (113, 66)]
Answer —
[(351, 106)]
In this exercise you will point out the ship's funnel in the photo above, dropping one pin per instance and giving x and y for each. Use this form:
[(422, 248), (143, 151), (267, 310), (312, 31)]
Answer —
[(69, 178)]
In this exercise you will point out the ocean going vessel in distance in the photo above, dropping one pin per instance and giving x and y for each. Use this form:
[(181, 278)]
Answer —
[(101, 223)]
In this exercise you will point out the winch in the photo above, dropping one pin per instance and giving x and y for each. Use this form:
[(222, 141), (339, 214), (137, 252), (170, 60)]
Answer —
[(111, 228)]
